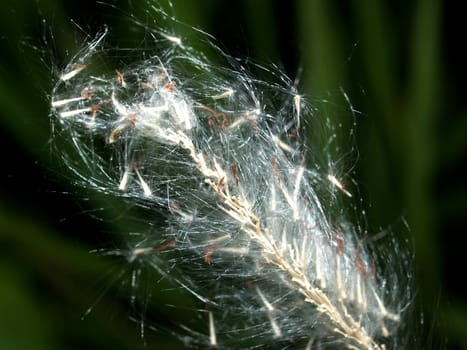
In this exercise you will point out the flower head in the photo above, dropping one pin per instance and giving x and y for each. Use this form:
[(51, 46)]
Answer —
[(250, 219)]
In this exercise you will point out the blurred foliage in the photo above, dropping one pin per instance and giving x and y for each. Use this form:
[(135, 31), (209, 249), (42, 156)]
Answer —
[(402, 63)]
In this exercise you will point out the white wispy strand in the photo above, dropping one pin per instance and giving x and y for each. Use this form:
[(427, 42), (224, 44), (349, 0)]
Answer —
[(247, 205)]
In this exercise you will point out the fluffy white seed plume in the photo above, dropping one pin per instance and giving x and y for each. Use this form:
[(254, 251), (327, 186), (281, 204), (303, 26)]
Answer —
[(251, 219)]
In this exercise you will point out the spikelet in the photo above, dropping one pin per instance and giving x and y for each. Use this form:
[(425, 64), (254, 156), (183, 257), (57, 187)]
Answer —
[(251, 227)]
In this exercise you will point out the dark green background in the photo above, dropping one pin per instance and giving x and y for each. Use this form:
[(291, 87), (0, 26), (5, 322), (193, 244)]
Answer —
[(402, 64)]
